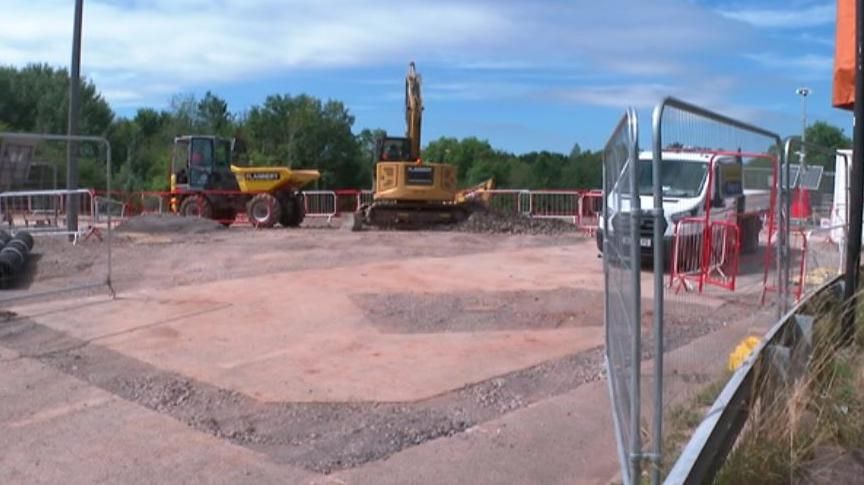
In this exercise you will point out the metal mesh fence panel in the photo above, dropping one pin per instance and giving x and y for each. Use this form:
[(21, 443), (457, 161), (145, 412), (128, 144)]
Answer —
[(619, 230), (66, 259), (718, 178), (817, 214)]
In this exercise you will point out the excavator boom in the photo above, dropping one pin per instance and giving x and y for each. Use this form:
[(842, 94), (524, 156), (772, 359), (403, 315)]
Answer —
[(413, 110)]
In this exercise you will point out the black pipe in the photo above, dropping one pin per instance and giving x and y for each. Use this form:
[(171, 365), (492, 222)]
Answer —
[(13, 256), (856, 184)]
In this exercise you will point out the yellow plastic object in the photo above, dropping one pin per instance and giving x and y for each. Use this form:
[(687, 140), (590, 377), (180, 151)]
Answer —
[(269, 179), (741, 352)]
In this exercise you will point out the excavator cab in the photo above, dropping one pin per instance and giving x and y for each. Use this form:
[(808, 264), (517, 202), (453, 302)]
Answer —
[(392, 149)]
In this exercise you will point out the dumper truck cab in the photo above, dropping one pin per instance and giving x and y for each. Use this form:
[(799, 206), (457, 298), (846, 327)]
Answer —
[(695, 185), (205, 183)]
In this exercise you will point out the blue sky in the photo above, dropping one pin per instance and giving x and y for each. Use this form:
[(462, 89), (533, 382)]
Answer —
[(526, 75)]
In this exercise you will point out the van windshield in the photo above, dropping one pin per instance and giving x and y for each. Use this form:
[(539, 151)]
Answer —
[(680, 178)]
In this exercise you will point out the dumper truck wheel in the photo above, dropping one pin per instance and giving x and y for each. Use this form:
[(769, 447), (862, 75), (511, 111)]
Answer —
[(264, 210), (196, 206), (293, 211)]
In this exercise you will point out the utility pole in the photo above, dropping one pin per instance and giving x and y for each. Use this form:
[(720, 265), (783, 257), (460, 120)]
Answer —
[(856, 184), (74, 119)]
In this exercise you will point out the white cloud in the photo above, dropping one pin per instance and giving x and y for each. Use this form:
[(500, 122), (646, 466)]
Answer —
[(710, 91), (804, 66), (812, 16), (617, 96), (140, 51)]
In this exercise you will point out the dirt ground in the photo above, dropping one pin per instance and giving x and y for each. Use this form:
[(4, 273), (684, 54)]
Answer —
[(322, 348)]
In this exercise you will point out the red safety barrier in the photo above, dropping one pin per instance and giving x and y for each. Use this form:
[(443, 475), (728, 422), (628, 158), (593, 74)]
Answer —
[(723, 252), (688, 249), (509, 201), (590, 210), (704, 253), (583, 208), (555, 204)]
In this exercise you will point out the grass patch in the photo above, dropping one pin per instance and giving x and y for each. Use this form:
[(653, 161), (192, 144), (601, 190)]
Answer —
[(683, 419), (791, 422)]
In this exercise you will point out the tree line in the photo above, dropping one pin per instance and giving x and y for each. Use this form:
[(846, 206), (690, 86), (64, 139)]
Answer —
[(292, 130)]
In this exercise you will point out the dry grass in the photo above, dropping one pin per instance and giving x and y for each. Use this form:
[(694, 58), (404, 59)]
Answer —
[(792, 421), (683, 419)]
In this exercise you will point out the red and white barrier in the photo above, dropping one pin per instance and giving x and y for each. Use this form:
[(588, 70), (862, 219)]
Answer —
[(509, 201), (590, 210), (321, 203), (723, 250), (555, 204), (704, 253)]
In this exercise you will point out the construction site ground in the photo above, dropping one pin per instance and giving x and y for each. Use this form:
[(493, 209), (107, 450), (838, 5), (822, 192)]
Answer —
[(321, 355)]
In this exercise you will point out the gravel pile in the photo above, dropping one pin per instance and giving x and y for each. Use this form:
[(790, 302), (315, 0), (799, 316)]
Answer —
[(158, 224), (494, 222)]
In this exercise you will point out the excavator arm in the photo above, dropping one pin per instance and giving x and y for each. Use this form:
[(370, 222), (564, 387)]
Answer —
[(413, 110)]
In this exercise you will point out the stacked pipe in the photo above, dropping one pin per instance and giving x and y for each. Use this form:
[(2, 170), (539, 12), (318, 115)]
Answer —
[(13, 256)]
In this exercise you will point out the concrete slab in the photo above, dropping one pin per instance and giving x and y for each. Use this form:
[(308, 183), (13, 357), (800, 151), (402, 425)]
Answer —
[(563, 440), (299, 337), (56, 429)]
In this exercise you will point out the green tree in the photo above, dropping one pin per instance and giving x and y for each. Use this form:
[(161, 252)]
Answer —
[(36, 98), (301, 131), (826, 136), (213, 117), (462, 153)]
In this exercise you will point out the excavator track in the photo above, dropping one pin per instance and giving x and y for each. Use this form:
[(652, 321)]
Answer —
[(409, 215)]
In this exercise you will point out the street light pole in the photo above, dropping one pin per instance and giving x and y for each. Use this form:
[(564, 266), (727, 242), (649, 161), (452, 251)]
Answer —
[(803, 92), (74, 118)]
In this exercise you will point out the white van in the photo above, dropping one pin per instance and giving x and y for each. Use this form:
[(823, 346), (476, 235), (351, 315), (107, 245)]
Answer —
[(695, 184)]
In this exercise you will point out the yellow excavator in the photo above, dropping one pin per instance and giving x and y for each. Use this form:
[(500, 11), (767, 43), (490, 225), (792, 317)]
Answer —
[(409, 192)]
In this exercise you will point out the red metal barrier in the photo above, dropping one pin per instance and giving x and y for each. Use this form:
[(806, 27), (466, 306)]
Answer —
[(590, 209), (688, 251), (723, 252), (704, 253), (581, 207)]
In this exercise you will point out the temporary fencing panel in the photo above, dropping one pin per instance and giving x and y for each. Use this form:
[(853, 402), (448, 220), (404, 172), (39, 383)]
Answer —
[(621, 267), (103, 207), (506, 201), (320, 203), (348, 200), (704, 253), (688, 250), (44, 211), (554, 204), (590, 209), (712, 223), (722, 247), (824, 256)]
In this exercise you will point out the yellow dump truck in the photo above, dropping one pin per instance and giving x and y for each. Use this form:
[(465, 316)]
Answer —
[(204, 183)]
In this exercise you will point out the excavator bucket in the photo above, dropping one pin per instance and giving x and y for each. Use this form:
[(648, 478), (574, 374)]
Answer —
[(478, 193)]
